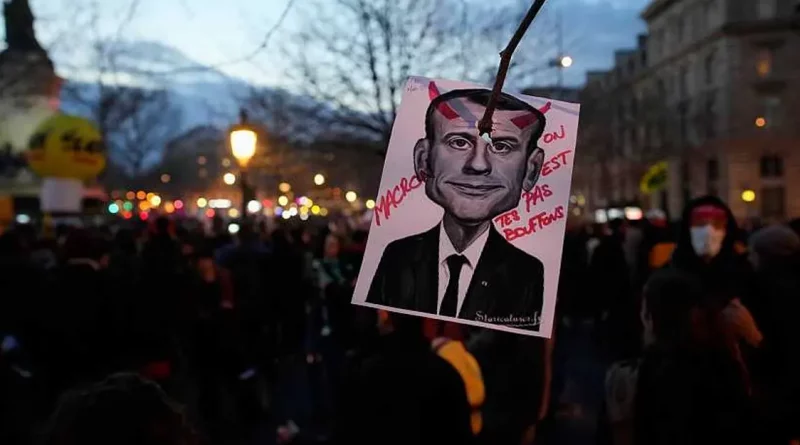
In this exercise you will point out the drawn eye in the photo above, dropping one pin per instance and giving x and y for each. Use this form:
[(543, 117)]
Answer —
[(459, 143), (502, 147)]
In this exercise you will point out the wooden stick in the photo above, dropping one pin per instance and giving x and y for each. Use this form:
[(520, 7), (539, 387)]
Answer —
[(485, 124)]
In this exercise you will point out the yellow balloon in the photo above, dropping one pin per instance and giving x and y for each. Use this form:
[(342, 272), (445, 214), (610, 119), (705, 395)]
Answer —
[(65, 146)]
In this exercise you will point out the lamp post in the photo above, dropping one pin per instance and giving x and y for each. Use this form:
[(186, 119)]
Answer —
[(243, 147)]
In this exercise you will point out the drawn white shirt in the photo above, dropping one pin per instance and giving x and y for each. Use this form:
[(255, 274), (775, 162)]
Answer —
[(472, 254)]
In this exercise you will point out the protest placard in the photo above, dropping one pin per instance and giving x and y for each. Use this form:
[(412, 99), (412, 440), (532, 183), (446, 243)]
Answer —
[(468, 228)]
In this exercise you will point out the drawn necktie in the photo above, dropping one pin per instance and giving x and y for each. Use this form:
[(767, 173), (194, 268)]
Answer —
[(450, 301)]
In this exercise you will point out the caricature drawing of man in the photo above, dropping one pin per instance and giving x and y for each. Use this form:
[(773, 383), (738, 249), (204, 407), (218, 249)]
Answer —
[(463, 268)]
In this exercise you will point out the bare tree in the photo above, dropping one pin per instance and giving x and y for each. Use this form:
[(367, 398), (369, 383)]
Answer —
[(354, 56), (136, 119)]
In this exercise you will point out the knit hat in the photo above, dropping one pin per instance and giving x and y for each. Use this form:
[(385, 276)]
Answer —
[(775, 241)]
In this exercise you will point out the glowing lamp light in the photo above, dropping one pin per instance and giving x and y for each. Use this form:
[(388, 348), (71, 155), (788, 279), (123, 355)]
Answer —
[(370, 204), (178, 204), (253, 206), (350, 196), (303, 201), (304, 216), (286, 215), (284, 187), (220, 203), (210, 213), (283, 200), (165, 178), (278, 211), (130, 195), (243, 145), (229, 178), (233, 213), (23, 219), (141, 195), (315, 209), (202, 202), (566, 62), (633, 213), (144, 206), (169, 207), (113, 208), (143, 216), (233, 228), (323, 211), (761, 122), (748, 195), (128, 206), (319, 179), (155, 200)]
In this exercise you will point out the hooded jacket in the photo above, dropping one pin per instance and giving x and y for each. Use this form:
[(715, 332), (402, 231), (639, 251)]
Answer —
[(728, 275)]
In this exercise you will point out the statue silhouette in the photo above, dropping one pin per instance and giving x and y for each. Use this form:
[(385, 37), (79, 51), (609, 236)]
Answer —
[(20, 35)]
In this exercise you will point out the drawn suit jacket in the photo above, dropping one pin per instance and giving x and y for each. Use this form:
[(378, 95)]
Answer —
[(507, 284)]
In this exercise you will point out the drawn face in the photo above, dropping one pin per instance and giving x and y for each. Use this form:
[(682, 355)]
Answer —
[(471, 179)]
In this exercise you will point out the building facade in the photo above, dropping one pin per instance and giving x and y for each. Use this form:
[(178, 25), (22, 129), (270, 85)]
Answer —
[(713, 89)]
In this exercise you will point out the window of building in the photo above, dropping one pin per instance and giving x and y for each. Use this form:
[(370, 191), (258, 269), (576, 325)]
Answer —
[(712, 177), (773, 202), (764, 62), (711, 114), (766, 9), (709, 67), (683, 82), (709, 9), (772, 111), (771, 166), (712, 169)]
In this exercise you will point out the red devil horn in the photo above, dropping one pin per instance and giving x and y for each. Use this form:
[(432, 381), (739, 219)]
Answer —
[(443, 107)]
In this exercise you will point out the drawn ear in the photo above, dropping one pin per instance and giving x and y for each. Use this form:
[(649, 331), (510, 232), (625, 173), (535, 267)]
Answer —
[(534, 168), (422, 159)]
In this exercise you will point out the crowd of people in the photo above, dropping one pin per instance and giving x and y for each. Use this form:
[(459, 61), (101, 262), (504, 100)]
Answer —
[(169, 332)]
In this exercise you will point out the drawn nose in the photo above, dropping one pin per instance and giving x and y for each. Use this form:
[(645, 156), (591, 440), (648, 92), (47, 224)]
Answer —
[(478, 162)]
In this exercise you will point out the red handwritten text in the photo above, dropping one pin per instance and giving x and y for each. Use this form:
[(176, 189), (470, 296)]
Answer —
[(535, 196), (554, 136), (394, 197), (508, 218), (536, 222), (555, 162)]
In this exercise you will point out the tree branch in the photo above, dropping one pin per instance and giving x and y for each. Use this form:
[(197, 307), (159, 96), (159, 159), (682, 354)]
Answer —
[(485, 124)]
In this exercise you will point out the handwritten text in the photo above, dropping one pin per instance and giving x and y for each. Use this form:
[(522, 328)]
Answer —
[(535, 222), (554, 136), (555, 163), (394, 197), (537, 195)]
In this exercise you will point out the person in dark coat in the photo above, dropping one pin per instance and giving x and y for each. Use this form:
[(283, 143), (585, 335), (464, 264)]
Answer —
[(708, 248), (404, 393), (775, 254)]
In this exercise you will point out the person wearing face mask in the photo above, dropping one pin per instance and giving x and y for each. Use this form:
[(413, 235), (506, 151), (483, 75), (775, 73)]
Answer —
[(707, 248)]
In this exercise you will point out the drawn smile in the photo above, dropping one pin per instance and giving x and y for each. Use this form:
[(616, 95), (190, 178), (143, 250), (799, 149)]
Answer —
[(474, 189)]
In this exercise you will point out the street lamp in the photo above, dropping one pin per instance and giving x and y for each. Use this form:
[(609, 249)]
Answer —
[(319, 179), (243, 147), (229, 178), (350, 196)]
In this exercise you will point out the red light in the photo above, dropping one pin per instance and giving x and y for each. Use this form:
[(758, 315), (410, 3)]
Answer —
[(178, 204), (266, 203), (126, 214), (144, 216), (210, 213)]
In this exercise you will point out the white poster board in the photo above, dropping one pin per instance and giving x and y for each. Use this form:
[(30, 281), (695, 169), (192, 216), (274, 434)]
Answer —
[(466, 230)]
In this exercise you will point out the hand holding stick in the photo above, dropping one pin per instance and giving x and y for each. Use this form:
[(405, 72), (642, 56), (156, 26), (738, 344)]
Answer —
[(485, 124)]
